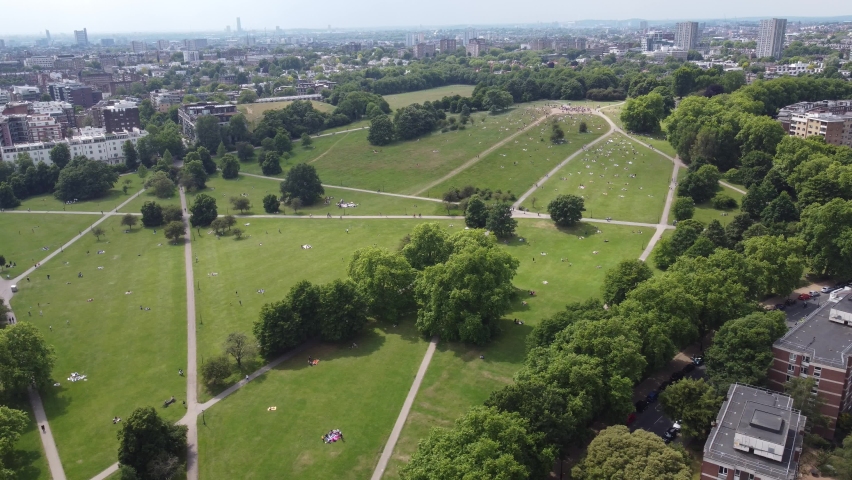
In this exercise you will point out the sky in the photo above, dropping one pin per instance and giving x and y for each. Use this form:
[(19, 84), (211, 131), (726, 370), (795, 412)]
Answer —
[(103, 17)]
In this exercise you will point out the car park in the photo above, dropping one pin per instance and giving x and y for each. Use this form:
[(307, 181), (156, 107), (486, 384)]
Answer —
[(814, 294), (827, 289), (780, 306), (804, 296), (670, 434), (641, 405), (631, 418)]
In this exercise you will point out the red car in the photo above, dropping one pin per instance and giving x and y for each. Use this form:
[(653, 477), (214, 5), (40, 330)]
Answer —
[(804, 296), (631, 418)]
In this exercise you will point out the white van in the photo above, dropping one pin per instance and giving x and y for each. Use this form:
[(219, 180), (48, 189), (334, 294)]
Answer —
[(14, 288)]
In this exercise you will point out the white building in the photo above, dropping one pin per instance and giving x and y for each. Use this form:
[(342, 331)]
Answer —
[(39, 61), (105, 147), (191, 56), (686, 35), (770, 37)]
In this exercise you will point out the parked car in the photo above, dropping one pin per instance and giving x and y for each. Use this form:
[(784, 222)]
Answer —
[(676, 425), (631, 418), (789, 302), (698, 360), (670, 434), (652, 396), (827, 289), (676, 376), (814, 294), (687, 368), (804, 296), (663, 386), (780, 306), (641, 405)]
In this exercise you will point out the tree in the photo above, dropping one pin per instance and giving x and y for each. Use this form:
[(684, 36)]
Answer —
[(221, 150), (238, 128), (381, 130), (700, 185), (428, 245), (271, 164), (826, 230), (683, 208), (742, 349), (142, 171), (618, 453), (230, 166), (239, 346), (129, 220), (60, 155), (97, 232), (476, 213), (245, 151), (208, 132), (144, 436), (238, 233), (781, 209), (206, 160), (583, 127), (456, 308), (131, 158), (781, 259), (193, 175), (152, 214), (271, 204), (303, 182), (203, 210), (623, 278), (384, 281), (174, 231), (307, 141), (172, 213), (694, 403), (285, 324), (84, 179), (566, 210), (484, 443), (282, 141), (7, 196), (296, 203), (557, 135), (497, 100), (25, 358), (801, 391), (12, 424), (161, 185), (343, 311), (643, 114), (500, 221), (240, 203), (216, 370)]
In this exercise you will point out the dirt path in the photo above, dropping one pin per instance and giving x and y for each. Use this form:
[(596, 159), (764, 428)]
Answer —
[(330, 149), (399, 195)]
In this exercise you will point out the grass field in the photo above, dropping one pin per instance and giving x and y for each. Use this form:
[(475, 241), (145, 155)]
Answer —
[(112, 199), (604, 177), (254, 111), (24, 237), (359, 391), (131, 356), (28, 460), (705, 213), (516, 166), (658, 140), (135, 205), (458, 379), (404, 99), (322, 146), (407, 167)]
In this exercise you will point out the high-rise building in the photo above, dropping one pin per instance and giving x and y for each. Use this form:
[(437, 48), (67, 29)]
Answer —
[(469, 34), (162, 44), (47, 35), (138, 47), (686, 35), (447, 45), (770, 37), (107, 42), (82, 37), (239, 27), (643, 26)]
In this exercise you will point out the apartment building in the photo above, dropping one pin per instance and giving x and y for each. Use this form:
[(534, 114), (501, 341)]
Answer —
[(475, 48), (189, 114), (43, 128), (836, 129), (25, 94), (757, 435), (75, 93), (447, 45), (686, 35), (819, 347), (81, 37), (14, 129), (39, 61), (770, 37), (105, 147), (422, 50), (62, 112), (116, 116)]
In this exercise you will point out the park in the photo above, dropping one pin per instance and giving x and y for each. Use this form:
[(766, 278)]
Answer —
[(116, 309)]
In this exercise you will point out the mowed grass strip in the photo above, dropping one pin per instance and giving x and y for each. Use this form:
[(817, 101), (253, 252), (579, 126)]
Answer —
[(27, 238), (400, 100), (112, 199), (408, 166), (359, 391), (617, 178), (516, 166), (130, 355), (458, 379)]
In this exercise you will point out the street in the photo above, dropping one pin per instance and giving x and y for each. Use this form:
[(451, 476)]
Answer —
[(653, 419)]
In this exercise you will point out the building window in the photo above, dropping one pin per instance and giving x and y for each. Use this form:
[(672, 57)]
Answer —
[(817, 372), (788, 378), (792, 357), (737, 474), (791, 368), (723, 471), (807, 359), (750, 476)]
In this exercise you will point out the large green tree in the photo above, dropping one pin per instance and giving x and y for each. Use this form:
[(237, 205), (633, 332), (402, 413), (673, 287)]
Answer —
[(700, 185), (343, 311), (643, 114), (618, 453), (694, 403), (193, 176), (60, 155), (476, 213), (84, 179), (500, 221), (385, 281), (302, 182), (230, 166), (623, 278), (827, 232), (152, 214), (742, 349), (566, 210), (782, 260), (203, 210), (381, 130), (427, 245), (145, 438), (484, 443), (131, 158), (25, 358), (683, 208)]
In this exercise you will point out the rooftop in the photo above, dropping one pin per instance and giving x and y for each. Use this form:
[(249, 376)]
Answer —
[(756, 413), (825, 341)]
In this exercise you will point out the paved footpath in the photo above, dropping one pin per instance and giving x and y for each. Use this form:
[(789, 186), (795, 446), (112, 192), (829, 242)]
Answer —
[(403, 414), (191, 417), (398, 195)]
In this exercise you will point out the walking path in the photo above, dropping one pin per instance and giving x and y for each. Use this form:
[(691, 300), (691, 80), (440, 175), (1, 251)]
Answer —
[(476, 159), (329, 149), (191, 417), (403, 414), (399, 195), (50, 451)]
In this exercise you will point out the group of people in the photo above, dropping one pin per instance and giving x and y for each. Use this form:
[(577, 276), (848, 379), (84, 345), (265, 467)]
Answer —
[(333, 436), (313, 362)]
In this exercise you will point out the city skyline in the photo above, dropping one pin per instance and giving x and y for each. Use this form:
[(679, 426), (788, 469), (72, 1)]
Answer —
[(62, 18)]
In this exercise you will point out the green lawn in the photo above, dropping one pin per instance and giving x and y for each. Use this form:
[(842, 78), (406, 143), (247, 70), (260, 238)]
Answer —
[(359, 391), (24, 237), (135, 205), (409, 166), (458, 379), (404, 99), (603, 177), (28, 460), (254, 111), (322, 146), (516, 166), (705, 213), (131, 356), (112, 199), (658, 140)]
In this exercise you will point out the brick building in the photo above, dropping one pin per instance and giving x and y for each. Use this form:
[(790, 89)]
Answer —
[(819, 347), (422, 50), (188, 114), (116, 116), (757, 435), (447, 45), (43, 128)]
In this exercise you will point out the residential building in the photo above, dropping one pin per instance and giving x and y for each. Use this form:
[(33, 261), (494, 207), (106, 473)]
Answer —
[(836, 129), (352, 47), (16, 126), (62, 112), (39, 61), (195, 44), (138, 47), (162, 44), (239, 27), (4, 97), (75, 93), (69, 62), (412, 39), (43, 128), (422, 50), (770, 37), (579, 43), (105, 147), (819, 347), (25, 94), (475, 47), (541, 44), (5, 135), (164, 99), (2, 44), (757, 435), (117, 116), (468, 35), (188, 114), (447, 45), (107, 42), (686, 35), (81, 37), (643, 26), (191, 56)]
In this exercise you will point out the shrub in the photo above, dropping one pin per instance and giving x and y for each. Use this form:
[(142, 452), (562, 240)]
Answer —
[(724, 202)]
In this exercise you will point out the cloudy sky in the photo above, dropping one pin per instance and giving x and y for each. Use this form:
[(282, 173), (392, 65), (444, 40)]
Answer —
[(109, 16)]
